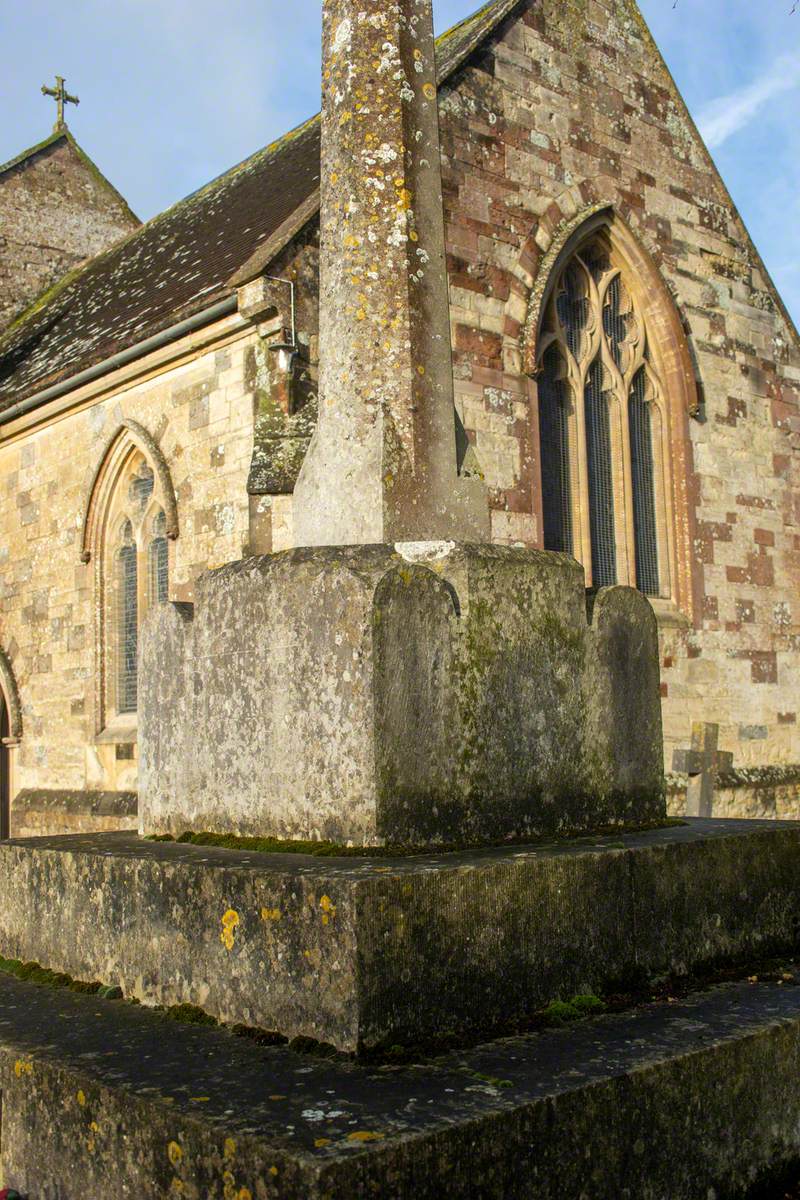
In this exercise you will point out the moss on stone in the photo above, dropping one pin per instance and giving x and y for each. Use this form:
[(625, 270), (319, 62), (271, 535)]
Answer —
[(33, 972), (324, 849), (189, 1014)]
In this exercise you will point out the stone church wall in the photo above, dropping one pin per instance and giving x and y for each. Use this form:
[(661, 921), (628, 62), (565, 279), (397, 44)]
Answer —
[(201, 416), (570, 109), (55, 211)]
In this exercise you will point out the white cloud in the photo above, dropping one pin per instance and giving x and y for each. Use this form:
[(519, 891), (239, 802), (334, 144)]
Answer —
[(720, 118)]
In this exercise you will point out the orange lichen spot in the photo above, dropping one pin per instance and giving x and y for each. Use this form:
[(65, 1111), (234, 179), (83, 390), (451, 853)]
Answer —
[(229, 1149), (230, 920), (80, 1097), (273, 1170), (334, 177), (176, 1187), (277, 1096), (404, 198), (345, 117), (361, 315), (364, 1135), (174, 1153), (320, 1142), (244, 1194), (429, 91), (270, 914), (328, 909), (23, 1067)]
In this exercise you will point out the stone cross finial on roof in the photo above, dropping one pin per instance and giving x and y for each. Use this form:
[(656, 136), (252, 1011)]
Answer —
[(61, 97)]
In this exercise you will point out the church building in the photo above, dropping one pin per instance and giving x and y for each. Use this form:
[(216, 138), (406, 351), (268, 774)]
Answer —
[(627, 383)]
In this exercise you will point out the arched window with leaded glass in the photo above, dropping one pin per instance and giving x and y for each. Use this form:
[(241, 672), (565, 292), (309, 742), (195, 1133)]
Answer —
[(135, 574), (602, 422), (127, 622), (158, 560)]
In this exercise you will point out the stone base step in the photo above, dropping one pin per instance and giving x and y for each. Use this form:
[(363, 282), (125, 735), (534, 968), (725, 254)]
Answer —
[(693, 1099), (363, 951)]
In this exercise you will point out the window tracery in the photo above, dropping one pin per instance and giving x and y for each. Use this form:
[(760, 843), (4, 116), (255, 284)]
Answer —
[(602, 424), (135, 575)]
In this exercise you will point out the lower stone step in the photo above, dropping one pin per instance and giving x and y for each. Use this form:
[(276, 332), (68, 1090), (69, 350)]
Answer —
[(363, 951), (688, 1100)]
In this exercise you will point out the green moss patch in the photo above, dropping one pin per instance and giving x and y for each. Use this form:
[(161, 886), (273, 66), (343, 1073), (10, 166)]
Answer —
[(321, 849), (33, 972)]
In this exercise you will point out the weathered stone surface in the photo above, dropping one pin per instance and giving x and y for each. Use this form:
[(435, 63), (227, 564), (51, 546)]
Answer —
[(56, 209), (698, 1098), (382, 463), (369, 951), (420, 694), (51, 811)]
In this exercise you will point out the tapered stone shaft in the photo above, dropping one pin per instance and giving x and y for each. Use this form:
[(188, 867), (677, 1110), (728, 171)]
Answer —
[(382, 464)]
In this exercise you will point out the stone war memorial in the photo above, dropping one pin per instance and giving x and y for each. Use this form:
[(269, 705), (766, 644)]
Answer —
[(404, 913)]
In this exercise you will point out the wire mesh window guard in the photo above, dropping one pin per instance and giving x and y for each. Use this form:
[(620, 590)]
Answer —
[(158, 561), (594, 375), (127, 621), (554, 444), (644, 508)]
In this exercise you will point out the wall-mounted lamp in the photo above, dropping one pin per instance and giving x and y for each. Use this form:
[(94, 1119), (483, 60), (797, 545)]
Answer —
[(284, 356)]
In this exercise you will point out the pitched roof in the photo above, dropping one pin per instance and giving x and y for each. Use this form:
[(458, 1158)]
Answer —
[(183, 260), (29, 157)]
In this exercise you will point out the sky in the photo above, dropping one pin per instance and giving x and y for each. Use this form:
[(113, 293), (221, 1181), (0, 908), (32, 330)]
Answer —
[(174, 92)]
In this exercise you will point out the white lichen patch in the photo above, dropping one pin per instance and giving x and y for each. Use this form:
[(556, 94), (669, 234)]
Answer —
[(424, 551)]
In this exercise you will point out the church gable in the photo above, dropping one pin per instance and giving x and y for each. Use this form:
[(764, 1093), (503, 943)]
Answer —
[(56, 210)]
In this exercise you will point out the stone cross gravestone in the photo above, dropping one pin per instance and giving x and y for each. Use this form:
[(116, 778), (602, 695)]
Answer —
[(396, 678), (701, 763)]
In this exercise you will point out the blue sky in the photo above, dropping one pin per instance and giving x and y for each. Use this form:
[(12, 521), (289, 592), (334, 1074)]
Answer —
[(173, 92)]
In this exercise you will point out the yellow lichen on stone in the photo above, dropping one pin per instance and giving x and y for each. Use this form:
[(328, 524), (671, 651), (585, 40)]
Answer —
[(229, 922), (174, 1153), (328, 909), (364, 1135), (270, 914), (320, 1142), (229, 1149), (23, 1067), (80, 1097)]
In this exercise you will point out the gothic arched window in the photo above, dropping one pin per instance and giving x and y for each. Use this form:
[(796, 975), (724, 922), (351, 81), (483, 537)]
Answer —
[(602, 424), (158, 559), (136, 575)]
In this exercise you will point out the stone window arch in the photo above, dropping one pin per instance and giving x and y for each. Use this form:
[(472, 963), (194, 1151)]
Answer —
[(605, 414), (130, 519)]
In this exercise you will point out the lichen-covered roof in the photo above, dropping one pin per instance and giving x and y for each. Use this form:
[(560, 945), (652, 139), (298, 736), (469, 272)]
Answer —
[(183, 260)]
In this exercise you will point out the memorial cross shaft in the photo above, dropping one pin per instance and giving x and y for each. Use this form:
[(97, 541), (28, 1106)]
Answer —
[(382, 464), (701, 763)]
